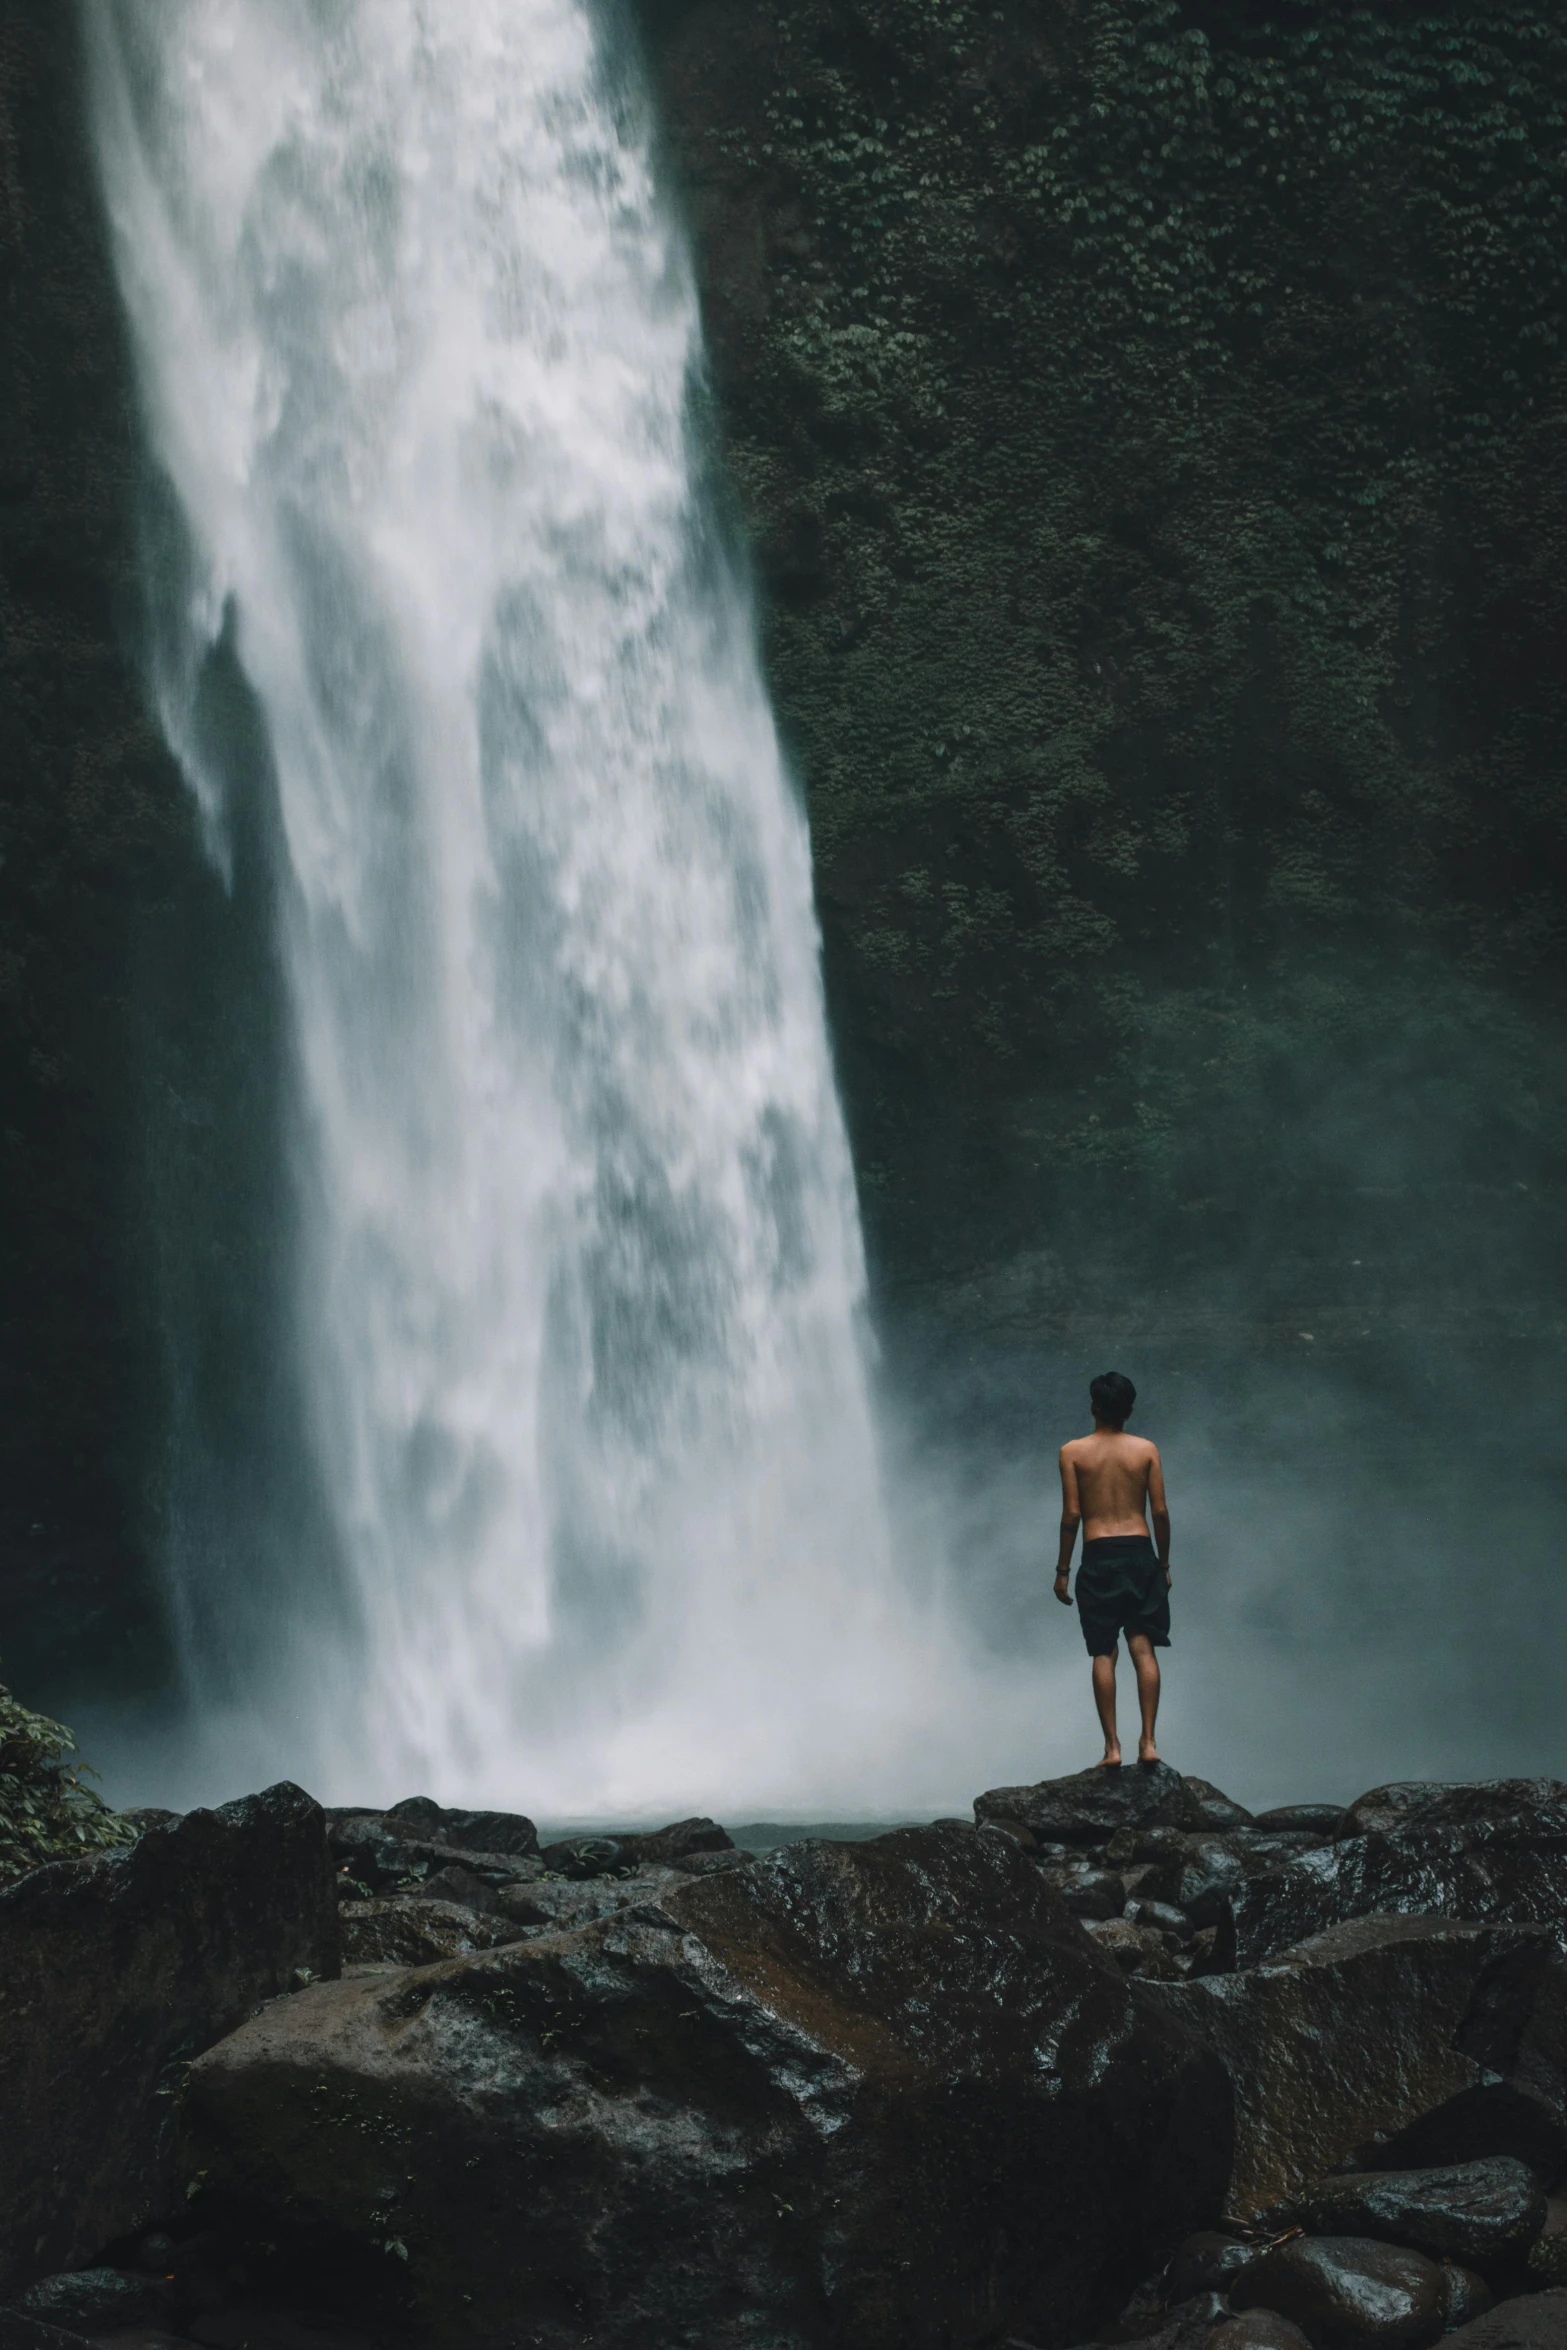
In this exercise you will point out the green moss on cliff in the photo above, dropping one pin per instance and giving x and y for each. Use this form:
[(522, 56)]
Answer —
[(1149, 417)]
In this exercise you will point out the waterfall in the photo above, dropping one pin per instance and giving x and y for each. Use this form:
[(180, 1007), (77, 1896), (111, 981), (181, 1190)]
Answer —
[(576, 1287)]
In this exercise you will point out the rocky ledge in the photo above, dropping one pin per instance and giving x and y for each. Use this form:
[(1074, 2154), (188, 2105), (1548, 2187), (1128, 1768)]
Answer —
[(1114, 2063)]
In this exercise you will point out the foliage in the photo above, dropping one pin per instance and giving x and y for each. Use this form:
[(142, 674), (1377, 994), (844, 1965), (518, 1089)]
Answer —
[(46, 1811)]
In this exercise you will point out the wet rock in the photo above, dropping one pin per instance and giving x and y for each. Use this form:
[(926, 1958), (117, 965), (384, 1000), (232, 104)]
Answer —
[(674, 1846), (1464, 2295), (1472, 2211), (1257, 2329), (1535, 2321), (1093, 1893), (1214, 1808), (1137, 1950), (466, 1831), (1500, 1871), (459, 1888), (118, 1968), (20, 2332), (1188, 2325), (143, 1816), (1090, 1806), (247, 2328), (1347, 2292), (1311, 2049), (1013, 1828), (555, 1908), (1163, 1916), (1537, 1804), (1547, 2261), (416, 1933), (87, 2300), (1207, 2262), (712, 1864), (380, 1855), (579, 1857), (1200, 1874), (1312, 1819), (839, 2086)]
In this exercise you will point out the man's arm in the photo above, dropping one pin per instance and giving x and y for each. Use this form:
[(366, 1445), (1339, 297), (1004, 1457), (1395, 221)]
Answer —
[(1071, 1519), (1159, 1512)]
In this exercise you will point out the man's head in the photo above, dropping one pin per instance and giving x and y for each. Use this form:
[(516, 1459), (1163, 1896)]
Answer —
[(1112, 1396)]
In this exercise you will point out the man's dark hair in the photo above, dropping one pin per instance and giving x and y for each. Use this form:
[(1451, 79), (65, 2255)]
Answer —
[(1112, 1396)]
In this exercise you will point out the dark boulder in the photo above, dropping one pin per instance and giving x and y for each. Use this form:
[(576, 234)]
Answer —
[(586, 1856), (1515, 2035), (116, 1970), (1090, 1806), (1465, 2295), (843, 2086), (1163, 1915), (1465, 1803), (1188, 2325), (18, 2331), (1207, 2262), (380, 1855), (90, 2300), (467, 1831), (560, 1907), (1311, 1819), (1200, 1874), (1348, 2292), (1094, 1893), (712, 1864), (1507, 1871), (1214, 1808), (674, 1846), (1138, 1949), (1535, 2321), (416, 1932), (1471, 2211), (1257, 2329), (1313, 2051)]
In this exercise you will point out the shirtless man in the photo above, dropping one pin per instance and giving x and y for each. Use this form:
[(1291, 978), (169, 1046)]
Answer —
[(1108, 1480)]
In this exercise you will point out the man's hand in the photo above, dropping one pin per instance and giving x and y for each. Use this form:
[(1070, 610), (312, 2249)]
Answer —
[(1063, 1588)]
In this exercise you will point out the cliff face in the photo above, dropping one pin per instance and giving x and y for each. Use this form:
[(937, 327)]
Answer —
[(93, 832), (1149, 418)]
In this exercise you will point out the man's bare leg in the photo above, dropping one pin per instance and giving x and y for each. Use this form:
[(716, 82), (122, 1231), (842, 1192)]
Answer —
[(1104, 1699), (1146, 1666)]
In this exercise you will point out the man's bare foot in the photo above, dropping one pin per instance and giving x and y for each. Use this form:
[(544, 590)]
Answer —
[(1147, 1752), (1109, 1762)]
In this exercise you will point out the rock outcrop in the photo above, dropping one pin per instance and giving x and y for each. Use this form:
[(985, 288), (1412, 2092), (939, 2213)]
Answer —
[(1356, 2033), (872, 2093), (1474, 2212), (1348, 2292), (119, 1969), (1510, 1869)]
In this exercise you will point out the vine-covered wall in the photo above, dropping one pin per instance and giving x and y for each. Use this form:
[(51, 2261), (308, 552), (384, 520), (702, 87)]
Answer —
[(1149, 416)]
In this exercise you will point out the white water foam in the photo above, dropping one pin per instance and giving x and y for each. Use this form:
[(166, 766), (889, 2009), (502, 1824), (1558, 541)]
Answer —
[(580, 1291)]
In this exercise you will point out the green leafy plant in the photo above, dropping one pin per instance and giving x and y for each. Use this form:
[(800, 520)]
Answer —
[(47, 1812)]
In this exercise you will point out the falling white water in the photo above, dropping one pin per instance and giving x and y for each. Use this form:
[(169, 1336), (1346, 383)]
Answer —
[(580, 1279)]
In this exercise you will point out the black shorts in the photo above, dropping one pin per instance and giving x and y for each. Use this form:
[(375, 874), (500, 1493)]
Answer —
[(1121, 1588)]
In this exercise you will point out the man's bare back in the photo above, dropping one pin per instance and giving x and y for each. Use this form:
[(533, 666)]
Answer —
[(1111, 1480), (1111, 1484)]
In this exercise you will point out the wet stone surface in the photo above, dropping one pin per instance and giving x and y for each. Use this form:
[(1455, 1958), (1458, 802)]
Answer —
[(1472, 2212), (1348, 2292)]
